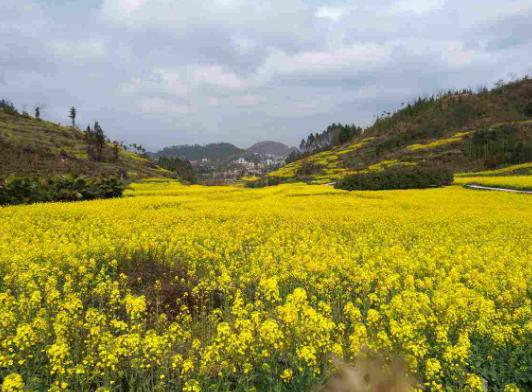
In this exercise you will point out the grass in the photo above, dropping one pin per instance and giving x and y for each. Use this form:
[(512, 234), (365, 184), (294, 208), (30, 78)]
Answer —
[(36, 147)]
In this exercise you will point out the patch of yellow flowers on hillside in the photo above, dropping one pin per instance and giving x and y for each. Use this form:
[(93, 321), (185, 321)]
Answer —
[(457, 137), (510, 182), (197, 288)]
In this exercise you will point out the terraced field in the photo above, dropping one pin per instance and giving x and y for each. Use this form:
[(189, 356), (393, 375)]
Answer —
[(37, 147), (359, 157)]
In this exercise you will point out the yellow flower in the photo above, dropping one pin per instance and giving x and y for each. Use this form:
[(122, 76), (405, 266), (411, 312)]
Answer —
[(474, 383), (135, 305), (13, 383), (192, 386), (269, 290), (287, 375), (206, 285), (307, 354), (433, 370)]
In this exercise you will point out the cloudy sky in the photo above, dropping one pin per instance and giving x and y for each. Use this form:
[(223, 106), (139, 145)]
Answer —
[(161, 72)]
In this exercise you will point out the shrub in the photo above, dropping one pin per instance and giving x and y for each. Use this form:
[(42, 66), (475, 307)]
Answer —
[(25, 190), (398, 178), (8, 107), (263, 182), (308, 170)]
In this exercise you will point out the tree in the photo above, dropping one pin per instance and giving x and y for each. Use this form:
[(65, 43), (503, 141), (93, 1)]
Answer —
[(89, 135), (181, 167), (99, 140), (116, 150), (95, 142), (37, 113), (334, 135), (138, 149), (293, 156), (72, 116), (8, 107)]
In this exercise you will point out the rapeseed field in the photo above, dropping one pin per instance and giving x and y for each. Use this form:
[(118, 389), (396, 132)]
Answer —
[(511, 182), (223, 288)]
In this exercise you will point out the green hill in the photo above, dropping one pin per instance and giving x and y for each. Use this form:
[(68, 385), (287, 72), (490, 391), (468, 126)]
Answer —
[(29, 146), (269, 147), (212, 152), (463, 131)]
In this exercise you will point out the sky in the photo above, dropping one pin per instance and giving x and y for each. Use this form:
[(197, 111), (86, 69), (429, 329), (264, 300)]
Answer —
[(165, 72)]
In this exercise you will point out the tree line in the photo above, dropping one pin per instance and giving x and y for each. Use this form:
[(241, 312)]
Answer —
[(333, 135)]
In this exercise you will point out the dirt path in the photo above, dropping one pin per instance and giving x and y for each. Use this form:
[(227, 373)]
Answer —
[(490, 188)]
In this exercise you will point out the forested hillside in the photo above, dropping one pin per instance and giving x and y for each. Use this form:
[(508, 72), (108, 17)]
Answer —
[(270, 148), (460, 130), (196, 152)]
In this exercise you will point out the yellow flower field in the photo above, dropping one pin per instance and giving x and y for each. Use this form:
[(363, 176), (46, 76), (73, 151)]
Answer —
[(225, 288), (511, 182)]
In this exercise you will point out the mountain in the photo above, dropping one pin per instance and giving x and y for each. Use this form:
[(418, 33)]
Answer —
[(270, 148), (29, 147), (196, 152), (463, 131)]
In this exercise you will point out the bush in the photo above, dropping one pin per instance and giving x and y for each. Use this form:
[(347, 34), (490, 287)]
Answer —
[(263, 182), (25, 190), (398, 178), (308, 170), (8, 107)]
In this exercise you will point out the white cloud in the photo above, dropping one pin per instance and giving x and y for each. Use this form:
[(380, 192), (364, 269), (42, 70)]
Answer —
[(322, 62), (215, 75), (162, 106), (248, 100), (244, 44), (121, 10), (172, 81), (89, 50), (418, 6), (165, 81), (332, 13), (233, 68)]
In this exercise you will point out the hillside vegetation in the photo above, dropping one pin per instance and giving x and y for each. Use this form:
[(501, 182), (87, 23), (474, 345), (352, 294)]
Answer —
[(462, 131), (270, 148), (33, 147), (196, 152)]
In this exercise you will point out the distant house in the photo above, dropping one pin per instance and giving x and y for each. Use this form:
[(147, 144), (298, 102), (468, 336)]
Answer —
[(241, 161)]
